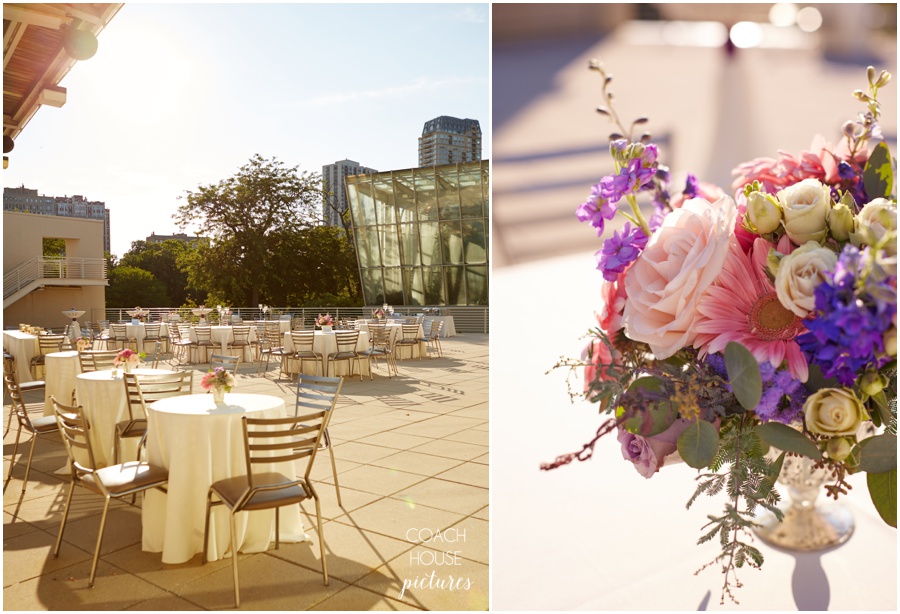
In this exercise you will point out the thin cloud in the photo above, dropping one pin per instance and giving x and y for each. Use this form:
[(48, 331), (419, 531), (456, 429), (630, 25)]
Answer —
[(419, 85), (471, 14)]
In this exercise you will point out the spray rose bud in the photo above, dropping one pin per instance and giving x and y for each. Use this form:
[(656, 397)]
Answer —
[(773, 261), (763, 212), (875, 220), (838, 448), (890, 341), (840, 221), (804, 207), (872, 382)]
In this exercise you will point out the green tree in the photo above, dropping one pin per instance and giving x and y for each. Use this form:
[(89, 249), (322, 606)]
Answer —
[(54, 248), (239, 214), (166, 261), (130, 286)]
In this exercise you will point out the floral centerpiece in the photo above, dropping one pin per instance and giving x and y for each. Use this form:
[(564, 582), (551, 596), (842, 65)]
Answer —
[(82, 344), (220, 381), (740, 333), (326, 321), (377, 314), (127, 359)]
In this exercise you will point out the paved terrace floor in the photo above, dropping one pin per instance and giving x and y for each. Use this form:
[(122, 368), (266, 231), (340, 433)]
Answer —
[(412, 453)]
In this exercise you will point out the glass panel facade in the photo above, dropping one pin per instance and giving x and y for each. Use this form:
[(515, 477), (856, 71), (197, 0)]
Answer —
[(422, 234)]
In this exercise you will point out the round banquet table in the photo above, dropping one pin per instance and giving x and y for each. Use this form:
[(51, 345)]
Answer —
[(22, 347), (200, 442), (325, 344), (395, 329), (139, 331), (60, 371), (105, 404), (222, 336)]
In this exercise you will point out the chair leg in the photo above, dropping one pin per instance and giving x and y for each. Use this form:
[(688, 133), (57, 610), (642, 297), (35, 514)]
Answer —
[(34, 439), (62, 525), (206, 528), (337, 487), (99, 542), (12, 459), (321, 541), (234, 557), (12, 412)]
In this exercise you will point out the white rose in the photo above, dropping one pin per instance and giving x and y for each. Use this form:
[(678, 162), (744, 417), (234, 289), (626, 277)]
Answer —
[(805, 207), (874, 221), (834, 412), (763, 212), (798, 275), (681, 260)]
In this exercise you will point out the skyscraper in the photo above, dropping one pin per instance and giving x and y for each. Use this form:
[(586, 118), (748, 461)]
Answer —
[(333, 176), (449, 140)]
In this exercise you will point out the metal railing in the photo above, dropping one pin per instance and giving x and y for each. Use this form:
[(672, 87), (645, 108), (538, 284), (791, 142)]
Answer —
[(52, 268), (465, 319)]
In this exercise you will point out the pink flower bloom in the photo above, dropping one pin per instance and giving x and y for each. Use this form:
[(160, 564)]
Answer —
[(613, 297), (601, 357), (709, 192), (742, 306), (649, 453)]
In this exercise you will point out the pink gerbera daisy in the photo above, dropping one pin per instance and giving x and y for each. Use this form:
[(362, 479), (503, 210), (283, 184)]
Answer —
[(742, 306)]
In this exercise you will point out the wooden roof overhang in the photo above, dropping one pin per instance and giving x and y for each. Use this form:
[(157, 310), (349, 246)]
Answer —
[(35, 59)]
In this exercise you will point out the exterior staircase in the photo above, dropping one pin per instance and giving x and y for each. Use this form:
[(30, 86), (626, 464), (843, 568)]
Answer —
[(39, 272)]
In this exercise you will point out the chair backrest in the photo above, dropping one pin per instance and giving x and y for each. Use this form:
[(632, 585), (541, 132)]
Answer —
[(229, 363), (151, 359), (141, 389), (184, 331), (118, 331), (96, 360), (380, 337), (316, 393), (75, 429), (273, 338), (410, 331), (346, 340), (276, 440), (15, 394), (204, 333), (426, 328), (95, 326), (260, 329), (303, 340), (436, 327), (273, 327), (48, 344), (151, 331), (241, 333)]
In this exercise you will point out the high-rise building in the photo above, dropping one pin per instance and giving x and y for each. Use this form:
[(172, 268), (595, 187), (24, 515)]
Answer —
[(333, 176), (26, 200), (448, 140)]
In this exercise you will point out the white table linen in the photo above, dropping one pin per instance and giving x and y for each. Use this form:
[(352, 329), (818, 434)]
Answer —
[(139, 331), (325, 344), (449, 329), (60, 371), (105, 405), (395, 329), (200, 442), (222, 336), (283, 325), (22, 347)]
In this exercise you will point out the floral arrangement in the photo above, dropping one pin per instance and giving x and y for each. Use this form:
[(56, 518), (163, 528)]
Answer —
[(378, 313), (735, 324), (127, 358), (218, 378), (325, 320), (82, 344)]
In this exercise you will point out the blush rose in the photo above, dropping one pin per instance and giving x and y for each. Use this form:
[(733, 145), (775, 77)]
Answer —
[(650, 453)]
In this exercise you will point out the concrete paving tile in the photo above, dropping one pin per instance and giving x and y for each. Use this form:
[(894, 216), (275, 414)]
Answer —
[(353, 598), (123, 529), (46, 512), (445, 495), (472, 540), (359, 452), (412, 462), (358, 429), (377, 480), (416, 578), (474, 474), (350, 552), (483, 513), (13, 527), (322, 468), (165, 602), (350, 499), (438, 426), (483, 459), (31, 555), (67, 589), (450, 449), (481, 438), (149, 567), (395, 518), (395, 441), (266, 583)]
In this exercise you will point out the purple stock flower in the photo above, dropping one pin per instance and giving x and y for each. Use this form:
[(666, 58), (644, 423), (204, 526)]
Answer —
[(595, 210), (691, 187), (620, 250), (631, 177)]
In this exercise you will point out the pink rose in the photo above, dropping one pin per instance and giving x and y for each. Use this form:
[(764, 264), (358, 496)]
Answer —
[(708, 191), (614, 297), (681, 260), (649, 453), (601, 358)]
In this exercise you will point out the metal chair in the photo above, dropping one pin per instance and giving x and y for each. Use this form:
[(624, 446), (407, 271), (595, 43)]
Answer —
[(151, 359), (434, 339), (304, 341), (9, 366), (96, 360), (47, 344), (37, 426), (268, 441), (204, 340), (320, 393), (380, 346), (179, 338), (151, 334), (241, 340), (229, 363), (346, 350), (409, 339), (142, 389), (271, 346), (99, 335), (118, 333), (112, 482)]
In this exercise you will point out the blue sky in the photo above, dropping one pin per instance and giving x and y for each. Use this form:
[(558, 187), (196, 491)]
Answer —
[(182, 95)]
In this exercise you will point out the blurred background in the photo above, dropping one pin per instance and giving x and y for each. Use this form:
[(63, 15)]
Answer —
[(721, 84)]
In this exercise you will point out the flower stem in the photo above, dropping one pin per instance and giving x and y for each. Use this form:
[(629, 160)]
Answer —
[(638, 217)]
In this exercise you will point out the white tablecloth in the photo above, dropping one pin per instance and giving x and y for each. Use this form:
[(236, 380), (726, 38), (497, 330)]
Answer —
[(139, 331), (598, 535), (396, 331), (22, 347), (325, 344), (200, 443), (105, 405), (449, 329), (221, 336), (60, 371), (283, 325)]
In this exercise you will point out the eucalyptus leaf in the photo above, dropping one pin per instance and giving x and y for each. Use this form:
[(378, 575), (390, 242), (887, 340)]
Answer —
[(656, 418), (878, 454), (698, 444), (785, 438), (883, 490), (743, 375), (878, 177)]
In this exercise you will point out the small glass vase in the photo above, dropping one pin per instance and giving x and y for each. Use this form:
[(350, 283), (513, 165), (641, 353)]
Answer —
[(326, 329), (126, 367), (808, 525), (218, 395)]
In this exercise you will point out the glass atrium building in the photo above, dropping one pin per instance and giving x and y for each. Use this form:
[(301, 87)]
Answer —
[(422, 234)]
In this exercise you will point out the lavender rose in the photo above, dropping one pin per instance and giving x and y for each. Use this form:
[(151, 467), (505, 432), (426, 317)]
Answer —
[(649, 453)]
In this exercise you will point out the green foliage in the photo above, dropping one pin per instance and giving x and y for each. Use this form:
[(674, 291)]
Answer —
[(698, 444), (883, 490), (131, 286), (785, 438), (743, 375), (166, 261), (54, 248), (658, 415), (878, 176), (878, 454)]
